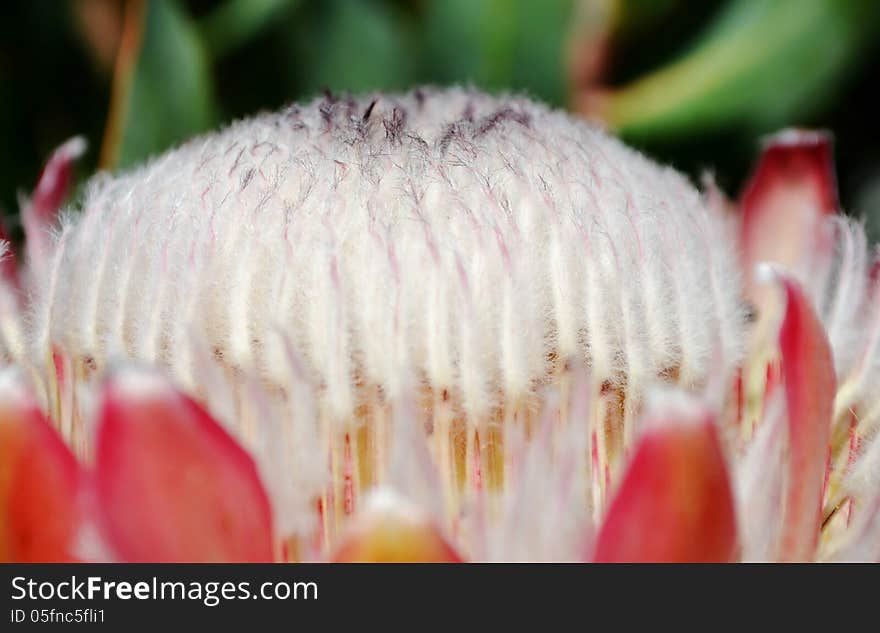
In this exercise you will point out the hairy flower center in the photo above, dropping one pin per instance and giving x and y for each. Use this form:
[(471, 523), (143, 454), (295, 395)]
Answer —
[(476, 269)]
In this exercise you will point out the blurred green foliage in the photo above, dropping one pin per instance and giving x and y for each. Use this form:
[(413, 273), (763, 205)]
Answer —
[(340, 45), (692, 83), (171, 95), (761, 63)]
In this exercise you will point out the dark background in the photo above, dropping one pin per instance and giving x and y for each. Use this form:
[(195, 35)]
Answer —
[(184, 66)]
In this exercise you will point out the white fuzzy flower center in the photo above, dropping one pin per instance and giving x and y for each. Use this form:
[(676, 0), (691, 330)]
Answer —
[(464, 248)]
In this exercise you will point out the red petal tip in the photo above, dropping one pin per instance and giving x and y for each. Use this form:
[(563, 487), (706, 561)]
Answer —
[(172, 484), (800, 157), (874, 273), (810, 388), (55, 179), (8, 264), (675, 503), (40, 481), (792, 188)]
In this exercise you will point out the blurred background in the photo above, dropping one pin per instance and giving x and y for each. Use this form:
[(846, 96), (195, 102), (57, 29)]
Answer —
[(692, 83)]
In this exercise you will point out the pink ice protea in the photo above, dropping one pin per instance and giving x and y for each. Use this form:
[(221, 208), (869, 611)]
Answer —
[(439, 326)]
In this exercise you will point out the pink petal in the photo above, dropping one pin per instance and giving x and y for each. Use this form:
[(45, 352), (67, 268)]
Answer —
[(874, 273), (40, 482), (810, 386), (675, 503), (172, 485), (53, 185), (791, 190), (55, 179), (8, 263), (390, 530)]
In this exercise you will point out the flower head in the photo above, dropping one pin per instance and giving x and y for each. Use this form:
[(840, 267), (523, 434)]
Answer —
[(435, 322)]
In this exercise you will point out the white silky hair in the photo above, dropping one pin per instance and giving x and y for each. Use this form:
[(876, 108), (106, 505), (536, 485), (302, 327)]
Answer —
[(441, 240), (851, 314), (849, 303), (11, 337), (463, 238)]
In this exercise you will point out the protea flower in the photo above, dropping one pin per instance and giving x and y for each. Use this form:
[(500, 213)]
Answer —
[(439, 326)]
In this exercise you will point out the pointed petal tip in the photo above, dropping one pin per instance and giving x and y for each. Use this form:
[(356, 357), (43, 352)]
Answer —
[(795, 137), (56, 176), (131, 381), (666, 405), (874, 273), (9, 272), (53, 185), (15, 392), (767, 272), (800, 156), (783, 204), (795, 158), (172, 484), (390, 529), (40, 481), (810, 389), (675, 503)]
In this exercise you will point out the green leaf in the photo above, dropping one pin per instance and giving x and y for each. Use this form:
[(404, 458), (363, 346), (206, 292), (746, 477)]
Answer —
[(234, 22), (348, 45), (500, 45), (635, 14), (170, 95), (763, 64)]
